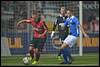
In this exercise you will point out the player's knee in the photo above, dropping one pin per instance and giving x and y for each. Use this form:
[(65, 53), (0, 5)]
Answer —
[(64, 45), (30, 48), (35, 50)]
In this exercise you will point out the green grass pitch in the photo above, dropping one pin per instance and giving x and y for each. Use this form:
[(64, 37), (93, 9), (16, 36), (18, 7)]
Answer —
[(51, 60)]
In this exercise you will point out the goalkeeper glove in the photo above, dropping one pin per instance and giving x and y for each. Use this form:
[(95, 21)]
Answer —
[(52, 34)]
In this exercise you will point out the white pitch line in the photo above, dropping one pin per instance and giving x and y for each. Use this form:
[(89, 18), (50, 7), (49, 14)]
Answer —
[(52, 65), (68, 64)]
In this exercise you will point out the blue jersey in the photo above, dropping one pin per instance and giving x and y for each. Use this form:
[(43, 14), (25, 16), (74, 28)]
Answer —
[(73, 24)]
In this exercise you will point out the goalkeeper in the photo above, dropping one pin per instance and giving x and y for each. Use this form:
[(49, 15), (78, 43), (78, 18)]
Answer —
[(63, 30)]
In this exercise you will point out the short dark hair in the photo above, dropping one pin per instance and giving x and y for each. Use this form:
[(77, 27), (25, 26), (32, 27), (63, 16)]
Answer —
[(39, 12), (62, 7), (34, 12), (69, 9)]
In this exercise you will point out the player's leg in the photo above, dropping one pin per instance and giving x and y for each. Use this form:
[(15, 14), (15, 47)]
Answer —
[(65, 53), (31, 52), (36, 51), (31, 49), (40, 41), (37, 56), (70, 59), (72, 42), (59, 54), (68, 42), (62, 36), (67, 56), (42, 44)]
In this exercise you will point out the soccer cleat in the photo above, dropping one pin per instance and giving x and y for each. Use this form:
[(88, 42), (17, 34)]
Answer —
[(63, 63), (70, 60), (34, 62), (59, 58)]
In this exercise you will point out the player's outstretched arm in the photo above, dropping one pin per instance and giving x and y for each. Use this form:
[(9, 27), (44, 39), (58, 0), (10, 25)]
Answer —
[(45, 26), (81, 28), (54, 27), (22, 21)]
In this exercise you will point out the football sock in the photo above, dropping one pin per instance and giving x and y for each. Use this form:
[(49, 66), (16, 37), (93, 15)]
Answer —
[(59, 54), (37, 56), (66, 54), (31, 53)]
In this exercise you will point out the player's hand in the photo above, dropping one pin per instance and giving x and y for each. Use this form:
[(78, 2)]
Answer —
[(52, 34), (40, 35), (28, 21), (22, 22), (35, 29), (18, 25), (86, 35)]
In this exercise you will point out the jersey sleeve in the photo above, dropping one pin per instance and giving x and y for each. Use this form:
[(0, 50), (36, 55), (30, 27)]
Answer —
[(66, 22), (55, 24), (76, 21), (28, 20), (45, 25)]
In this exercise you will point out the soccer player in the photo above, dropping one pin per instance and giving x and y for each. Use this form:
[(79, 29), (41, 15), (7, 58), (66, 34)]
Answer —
[(63, 30), (71, 39), (39, 34)]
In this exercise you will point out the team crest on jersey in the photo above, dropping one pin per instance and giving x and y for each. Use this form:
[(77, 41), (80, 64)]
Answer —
[(70, 22)]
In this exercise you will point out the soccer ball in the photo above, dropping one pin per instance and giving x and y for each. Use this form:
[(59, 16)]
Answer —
[(25, 60), (61, 26)]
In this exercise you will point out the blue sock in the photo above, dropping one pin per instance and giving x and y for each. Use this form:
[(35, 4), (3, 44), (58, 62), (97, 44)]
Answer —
[(69, 56), (69, 53), (66, 54)]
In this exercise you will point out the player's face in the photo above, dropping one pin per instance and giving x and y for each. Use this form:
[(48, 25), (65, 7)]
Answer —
[(34, 16), (62, 11), (68, 13), (43, 17), (65, 14)]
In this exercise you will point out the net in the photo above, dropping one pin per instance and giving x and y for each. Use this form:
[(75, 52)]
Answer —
[(18, 39)]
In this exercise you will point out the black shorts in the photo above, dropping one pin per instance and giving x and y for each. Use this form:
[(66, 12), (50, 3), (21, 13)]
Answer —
[(38, 42)]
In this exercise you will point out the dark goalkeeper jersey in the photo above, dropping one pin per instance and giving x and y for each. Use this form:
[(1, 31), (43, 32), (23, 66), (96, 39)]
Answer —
[(59, 23)]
